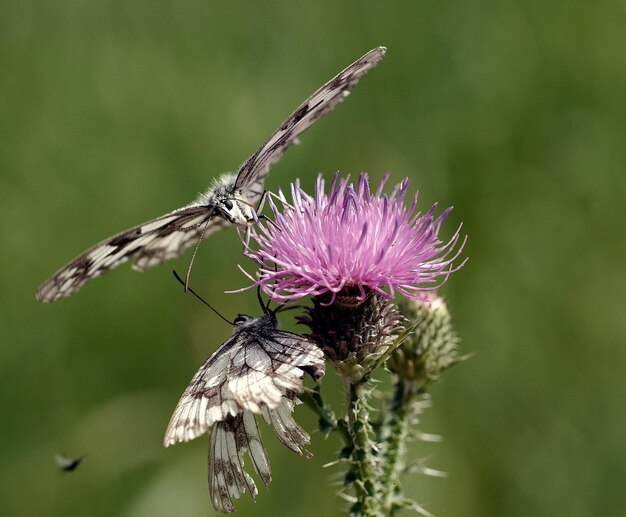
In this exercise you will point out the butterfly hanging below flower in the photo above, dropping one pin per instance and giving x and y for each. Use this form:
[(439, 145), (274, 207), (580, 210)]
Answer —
[(258, 370), (230, 200)]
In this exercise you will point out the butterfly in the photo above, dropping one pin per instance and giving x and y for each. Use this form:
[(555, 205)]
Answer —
[(66, 464), (230, 200), (258, 370)]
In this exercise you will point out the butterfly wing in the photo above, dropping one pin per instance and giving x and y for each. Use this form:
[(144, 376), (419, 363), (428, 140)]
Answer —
[(252, 173), (150, 243), (250, 371), (62, 461), (230, 440), (258, 370), (236, 436)]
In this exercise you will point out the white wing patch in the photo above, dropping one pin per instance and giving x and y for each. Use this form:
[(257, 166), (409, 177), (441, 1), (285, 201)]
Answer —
[(251, 370), (257, 371), (232, 438), (253, 172), (149, 244)]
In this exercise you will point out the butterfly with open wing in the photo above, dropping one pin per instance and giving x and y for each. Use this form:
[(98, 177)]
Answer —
[(230, 200)]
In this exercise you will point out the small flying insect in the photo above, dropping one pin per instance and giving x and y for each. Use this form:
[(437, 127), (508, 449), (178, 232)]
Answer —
[(231, 200), (66, 464)]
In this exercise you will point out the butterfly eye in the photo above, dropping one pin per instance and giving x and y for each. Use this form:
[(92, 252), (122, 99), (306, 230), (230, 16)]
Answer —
[(228, 204), (241, 318)]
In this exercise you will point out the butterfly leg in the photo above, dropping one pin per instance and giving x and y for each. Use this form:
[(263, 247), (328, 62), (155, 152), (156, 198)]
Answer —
[(259, 207), (281, 198), (261, 204), (265, 218), (266, 194)]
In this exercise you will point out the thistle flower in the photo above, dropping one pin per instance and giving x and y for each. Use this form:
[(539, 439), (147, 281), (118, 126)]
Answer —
[(351, 242), (352, 250)]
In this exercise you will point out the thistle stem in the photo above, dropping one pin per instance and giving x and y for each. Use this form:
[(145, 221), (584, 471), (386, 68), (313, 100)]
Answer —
[(327, 420), (363, 473), (394, 434)]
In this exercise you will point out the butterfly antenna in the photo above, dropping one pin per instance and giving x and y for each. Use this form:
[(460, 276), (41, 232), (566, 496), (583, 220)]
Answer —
[(193, 257), (187, 288), (269, 299), (265, 308)]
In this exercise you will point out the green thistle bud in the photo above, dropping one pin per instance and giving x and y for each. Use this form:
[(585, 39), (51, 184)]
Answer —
[(432, 347)]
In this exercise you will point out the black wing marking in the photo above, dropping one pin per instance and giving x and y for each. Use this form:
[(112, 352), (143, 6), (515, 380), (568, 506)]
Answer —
[(257, 371), (230, 440), (253, 172), (236, 436), (150, 243), (248, 372)]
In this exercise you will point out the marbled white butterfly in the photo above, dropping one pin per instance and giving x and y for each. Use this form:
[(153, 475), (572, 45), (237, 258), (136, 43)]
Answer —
[(258, 371), (229, 201)]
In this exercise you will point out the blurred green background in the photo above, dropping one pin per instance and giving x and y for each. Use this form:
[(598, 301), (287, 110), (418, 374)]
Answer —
[(114, 112)]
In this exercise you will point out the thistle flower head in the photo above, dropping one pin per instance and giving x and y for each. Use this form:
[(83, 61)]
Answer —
[(354, 338), (351, 240)]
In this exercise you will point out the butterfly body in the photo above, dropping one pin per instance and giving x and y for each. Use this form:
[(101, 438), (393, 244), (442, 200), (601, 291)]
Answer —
[(229, 201)]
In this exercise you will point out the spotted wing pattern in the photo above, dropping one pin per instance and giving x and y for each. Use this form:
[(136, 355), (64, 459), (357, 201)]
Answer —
[(229, 441), (248, 371), (236, 436), (149, 243), (253, 172), (257, 371)]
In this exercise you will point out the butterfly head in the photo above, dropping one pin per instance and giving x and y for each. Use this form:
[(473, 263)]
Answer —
[(228, 200), (244, 321), (235, 209)]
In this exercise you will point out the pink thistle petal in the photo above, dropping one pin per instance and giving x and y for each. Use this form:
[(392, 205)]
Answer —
[(350, 237)]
